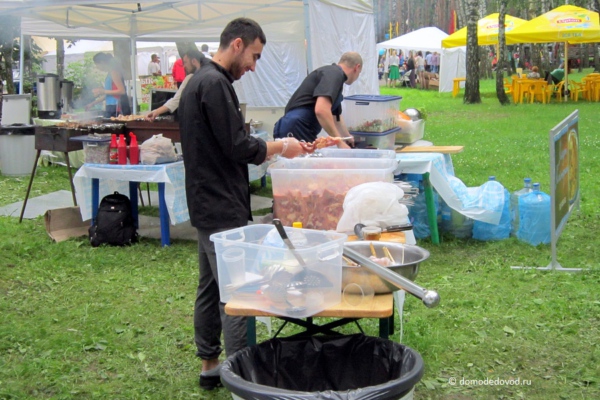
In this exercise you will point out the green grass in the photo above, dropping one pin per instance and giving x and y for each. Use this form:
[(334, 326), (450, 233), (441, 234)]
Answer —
[(84, 323)]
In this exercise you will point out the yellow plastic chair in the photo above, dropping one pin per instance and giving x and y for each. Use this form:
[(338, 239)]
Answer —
[(507, 86), (555, 90), (537, 91), (577, 88)]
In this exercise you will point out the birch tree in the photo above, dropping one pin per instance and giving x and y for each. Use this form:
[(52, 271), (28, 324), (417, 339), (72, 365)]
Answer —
[(472, 94)]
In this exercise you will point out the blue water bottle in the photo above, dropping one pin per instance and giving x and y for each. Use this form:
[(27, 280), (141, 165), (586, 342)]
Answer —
[(534, 217), (493, 193), (514, 204)]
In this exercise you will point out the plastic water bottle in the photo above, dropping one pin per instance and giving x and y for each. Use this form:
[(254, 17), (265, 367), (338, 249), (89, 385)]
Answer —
[(534, 217), (514, 204), (492, 193), (418, 215)]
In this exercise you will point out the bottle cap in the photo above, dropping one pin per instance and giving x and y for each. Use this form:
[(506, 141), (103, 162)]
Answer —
[(528, 180), (297, 224), (536, 186), (133, 139), (492, 178)]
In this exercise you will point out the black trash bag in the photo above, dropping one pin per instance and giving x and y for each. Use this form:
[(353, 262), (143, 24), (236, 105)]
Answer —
[(323, 367)]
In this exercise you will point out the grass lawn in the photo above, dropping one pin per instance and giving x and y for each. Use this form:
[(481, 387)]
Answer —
[(85, 323)]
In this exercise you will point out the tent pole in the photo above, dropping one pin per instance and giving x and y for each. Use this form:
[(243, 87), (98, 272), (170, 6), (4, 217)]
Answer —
[(307, 36), (133, 65), (566, 67), (21, 62)]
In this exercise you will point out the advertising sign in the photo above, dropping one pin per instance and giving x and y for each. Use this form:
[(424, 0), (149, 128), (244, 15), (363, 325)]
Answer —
[(564, 170)]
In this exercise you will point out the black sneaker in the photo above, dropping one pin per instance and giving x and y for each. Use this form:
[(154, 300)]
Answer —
[(210, 380)]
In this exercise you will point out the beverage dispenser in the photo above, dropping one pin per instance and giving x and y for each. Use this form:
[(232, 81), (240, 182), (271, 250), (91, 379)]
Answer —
[(48, 93), (66, 95)]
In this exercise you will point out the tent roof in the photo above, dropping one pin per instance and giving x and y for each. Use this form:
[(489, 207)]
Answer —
[(487, 31), (94, 19), (424, 39)]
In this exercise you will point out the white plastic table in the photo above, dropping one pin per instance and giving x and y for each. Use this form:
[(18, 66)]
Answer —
[(94, 181)]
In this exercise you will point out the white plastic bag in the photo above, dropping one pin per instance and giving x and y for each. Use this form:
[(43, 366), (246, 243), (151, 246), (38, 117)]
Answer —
[(373, 203), (157, 150)]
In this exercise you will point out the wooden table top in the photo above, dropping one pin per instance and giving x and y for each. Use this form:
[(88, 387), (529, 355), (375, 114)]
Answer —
[(430, 149), (382, 306)]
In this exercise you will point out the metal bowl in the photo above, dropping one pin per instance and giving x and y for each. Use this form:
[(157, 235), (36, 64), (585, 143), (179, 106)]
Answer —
[(413, 256)]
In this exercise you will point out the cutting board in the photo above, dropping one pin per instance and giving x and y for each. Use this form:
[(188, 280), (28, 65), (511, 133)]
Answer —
[(430, 149), (397, 237)]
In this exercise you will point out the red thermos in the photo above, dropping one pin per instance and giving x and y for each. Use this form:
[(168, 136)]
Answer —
[(122, 150), (113, 156), (134, 150)]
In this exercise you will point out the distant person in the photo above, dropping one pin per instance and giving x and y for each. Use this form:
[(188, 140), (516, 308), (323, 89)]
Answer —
[(317, 103), (420, 64), (178, 72), (113, 94), (192, 61), (435, 62), (394, 74), (410, 68), (204, 49), (556, 76), (428, 56), (154, 65), (534, 74)]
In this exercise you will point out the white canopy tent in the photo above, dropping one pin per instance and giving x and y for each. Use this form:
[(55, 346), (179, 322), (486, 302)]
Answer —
[(288, 24), (452, 61)]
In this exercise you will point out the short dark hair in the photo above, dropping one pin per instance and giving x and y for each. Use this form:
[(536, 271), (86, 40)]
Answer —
[(102, 58), (204, 47), (246, 29), (194, 54)]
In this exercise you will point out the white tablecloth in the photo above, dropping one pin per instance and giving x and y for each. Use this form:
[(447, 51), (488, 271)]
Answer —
[(117, 177)]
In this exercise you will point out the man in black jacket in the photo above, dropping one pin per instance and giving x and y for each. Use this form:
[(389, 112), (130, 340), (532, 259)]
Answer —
[(216, 152)]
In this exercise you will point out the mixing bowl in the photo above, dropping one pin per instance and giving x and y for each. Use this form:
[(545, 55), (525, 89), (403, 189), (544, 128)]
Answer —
[(407, 259)]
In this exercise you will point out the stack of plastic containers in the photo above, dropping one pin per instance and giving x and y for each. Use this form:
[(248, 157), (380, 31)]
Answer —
[(371, 119)]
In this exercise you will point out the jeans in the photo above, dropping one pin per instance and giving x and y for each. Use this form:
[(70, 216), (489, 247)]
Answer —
[(209, 312)]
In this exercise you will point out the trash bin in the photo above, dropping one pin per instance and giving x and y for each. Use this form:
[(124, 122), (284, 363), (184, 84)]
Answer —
[(17, 149), (323, 367)]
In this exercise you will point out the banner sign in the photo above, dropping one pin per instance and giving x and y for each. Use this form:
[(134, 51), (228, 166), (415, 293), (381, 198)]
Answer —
[(564, 170)]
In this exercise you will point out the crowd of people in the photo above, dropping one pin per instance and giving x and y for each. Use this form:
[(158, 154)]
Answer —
[(414, 69)]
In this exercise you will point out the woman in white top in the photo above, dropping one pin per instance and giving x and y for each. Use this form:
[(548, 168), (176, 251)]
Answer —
[(394, 68)]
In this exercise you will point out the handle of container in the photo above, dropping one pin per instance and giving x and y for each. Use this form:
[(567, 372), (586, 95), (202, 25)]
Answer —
[(362, 103), (326, 254), (239, 231)]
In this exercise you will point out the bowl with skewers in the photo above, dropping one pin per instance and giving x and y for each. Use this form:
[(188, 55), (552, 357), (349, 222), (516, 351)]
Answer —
[(402, 259)]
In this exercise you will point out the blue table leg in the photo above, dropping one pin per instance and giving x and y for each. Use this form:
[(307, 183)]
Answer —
[(95, 198), (431, 210), (133, 198), (263, 181), (165, 231)]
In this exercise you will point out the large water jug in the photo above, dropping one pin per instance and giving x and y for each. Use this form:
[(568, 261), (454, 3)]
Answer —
[(514, 204), (534, 217), (493, 189), (417, 213)]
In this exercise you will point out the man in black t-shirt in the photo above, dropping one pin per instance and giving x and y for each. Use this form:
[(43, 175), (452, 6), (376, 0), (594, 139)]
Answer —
[(317, 103)]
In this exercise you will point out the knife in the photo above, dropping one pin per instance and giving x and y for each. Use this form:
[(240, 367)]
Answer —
[(287, 241)]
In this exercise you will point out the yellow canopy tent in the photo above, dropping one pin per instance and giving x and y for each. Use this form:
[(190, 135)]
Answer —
[(487, 31), (567, 24)]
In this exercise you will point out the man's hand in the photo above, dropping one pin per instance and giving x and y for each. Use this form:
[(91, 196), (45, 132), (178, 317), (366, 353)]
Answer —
[(343, 145), (294, 148), (151, 115)]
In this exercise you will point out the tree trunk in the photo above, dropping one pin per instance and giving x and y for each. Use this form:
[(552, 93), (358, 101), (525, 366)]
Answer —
[(60, 59), (472, 95), (500, 93)]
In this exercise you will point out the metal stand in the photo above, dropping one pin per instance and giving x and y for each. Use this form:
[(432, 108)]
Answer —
[(37, 157)]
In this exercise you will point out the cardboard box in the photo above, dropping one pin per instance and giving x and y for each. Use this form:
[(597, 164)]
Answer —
[(65, 223)]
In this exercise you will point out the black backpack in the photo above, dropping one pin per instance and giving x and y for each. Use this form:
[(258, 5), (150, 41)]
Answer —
[(114, 224)]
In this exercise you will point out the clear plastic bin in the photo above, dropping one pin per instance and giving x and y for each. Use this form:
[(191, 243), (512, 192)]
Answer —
[(268, 277), (371, 113), (312, 190), (356, 153), (384, 140), (96, 148), (410, 131)]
